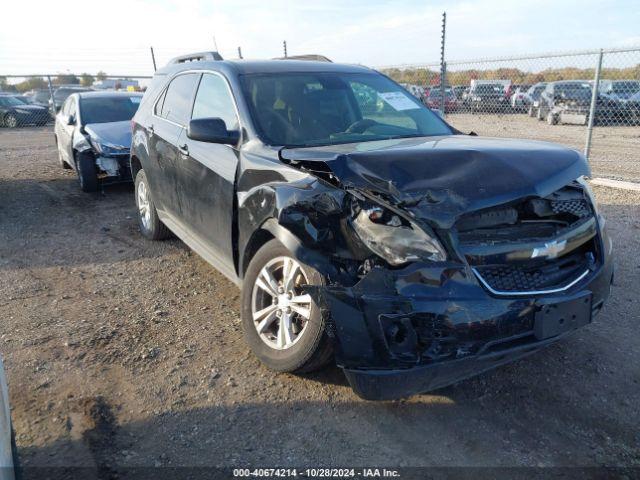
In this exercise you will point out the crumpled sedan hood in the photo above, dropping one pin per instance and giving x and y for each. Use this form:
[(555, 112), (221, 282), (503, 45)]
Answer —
[(440, 178), (115, 133)]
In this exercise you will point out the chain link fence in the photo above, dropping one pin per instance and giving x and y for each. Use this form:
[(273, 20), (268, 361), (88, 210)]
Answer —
[(587, 100)]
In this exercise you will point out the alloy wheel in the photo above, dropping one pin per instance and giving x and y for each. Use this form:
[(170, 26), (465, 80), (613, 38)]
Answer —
[(279, 306), (144, 207)]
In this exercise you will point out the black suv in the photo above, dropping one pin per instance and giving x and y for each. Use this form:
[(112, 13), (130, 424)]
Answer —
[(361, 227)]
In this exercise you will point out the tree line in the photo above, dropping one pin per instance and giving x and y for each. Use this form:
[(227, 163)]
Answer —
[(425, 76), (37, 83)]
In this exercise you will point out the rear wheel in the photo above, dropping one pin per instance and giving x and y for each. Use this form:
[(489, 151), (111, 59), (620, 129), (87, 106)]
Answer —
[(282, 323), (150, 225), (87, 172), (552, 119)]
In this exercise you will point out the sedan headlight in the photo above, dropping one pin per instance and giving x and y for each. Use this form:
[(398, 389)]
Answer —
[(395, 239), (104, 148)]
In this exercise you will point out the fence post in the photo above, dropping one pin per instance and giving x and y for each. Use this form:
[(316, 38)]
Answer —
[(443, 65), (592, 107), (53, 103)]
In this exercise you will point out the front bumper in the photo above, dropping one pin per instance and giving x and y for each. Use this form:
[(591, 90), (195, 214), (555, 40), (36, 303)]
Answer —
[(401, 332), (114, 168)]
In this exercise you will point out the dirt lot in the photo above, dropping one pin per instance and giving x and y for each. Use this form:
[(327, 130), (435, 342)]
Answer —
[(124, 352), (614, 151)]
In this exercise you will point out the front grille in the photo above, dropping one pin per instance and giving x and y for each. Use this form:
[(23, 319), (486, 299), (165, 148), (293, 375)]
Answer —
[(535, 277), (579, 208), (531, 245)]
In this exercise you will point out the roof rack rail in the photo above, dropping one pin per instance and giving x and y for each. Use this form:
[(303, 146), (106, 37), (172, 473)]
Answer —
[(196, 57), (314, 57)]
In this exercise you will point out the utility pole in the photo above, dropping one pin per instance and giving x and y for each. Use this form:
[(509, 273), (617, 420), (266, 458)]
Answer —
[(153, 58), (284, 45), (443, 65)]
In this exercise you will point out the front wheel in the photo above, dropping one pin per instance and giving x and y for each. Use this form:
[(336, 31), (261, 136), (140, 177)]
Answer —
[(87, 172), (10, 121), (150, 224), (282, 324)]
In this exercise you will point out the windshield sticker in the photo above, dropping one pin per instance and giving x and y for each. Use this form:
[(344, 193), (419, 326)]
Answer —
[(398, 100), (135, 99)]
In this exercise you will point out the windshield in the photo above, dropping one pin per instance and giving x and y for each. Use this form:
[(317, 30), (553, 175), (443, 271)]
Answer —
[(108, 109), (573, 90), (10, 102), (62, 94), (305, 109), (625, 89)]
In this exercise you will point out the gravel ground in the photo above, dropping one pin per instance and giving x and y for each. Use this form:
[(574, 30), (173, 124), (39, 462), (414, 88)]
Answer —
[(614, 150), (124, 352)]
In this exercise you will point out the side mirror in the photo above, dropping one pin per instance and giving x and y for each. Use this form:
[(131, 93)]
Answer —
[(212, 130), (71, 120)]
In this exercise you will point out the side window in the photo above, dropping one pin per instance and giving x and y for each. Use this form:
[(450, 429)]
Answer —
[(159, 104), (65, 107), (214, 100), (72, 107), (177, 101)]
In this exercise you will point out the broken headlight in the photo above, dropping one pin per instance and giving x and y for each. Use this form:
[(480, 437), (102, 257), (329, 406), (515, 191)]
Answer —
[(104, 148), (394, 238)]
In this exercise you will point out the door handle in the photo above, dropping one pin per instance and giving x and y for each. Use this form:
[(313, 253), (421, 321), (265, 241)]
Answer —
[(184, 150)]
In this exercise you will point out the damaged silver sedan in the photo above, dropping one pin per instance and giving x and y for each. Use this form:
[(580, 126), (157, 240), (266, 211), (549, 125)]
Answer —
[(363, 228), (93, 136)]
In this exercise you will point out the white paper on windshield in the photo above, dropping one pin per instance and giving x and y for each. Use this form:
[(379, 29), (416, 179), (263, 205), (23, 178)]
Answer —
[(135, 99), (398, 100)]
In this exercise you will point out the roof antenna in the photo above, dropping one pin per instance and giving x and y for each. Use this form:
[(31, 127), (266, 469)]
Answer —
[(240, 53), (215, 44)]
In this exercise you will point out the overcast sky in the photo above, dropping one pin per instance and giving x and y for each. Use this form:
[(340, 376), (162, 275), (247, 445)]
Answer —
[(115, 35)]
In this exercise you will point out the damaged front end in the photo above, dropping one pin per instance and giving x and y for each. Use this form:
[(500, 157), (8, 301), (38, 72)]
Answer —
[(437, 270), (109, 145)]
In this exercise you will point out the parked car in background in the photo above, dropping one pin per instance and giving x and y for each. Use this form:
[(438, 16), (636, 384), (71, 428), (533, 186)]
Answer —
[(633, 108), (39, 97), (15, 112), (61, 94), (532, 97), (8, 449), (459, 91), (363, 228), (93, 136), (488, 97), (518, 97), (432, 99), (566, 101), (619, 89)]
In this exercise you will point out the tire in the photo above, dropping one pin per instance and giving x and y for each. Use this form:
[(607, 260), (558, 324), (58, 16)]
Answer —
[(552, 119), (10, 120), (150, 224), (61, 161), (311, 349), (87, 172)]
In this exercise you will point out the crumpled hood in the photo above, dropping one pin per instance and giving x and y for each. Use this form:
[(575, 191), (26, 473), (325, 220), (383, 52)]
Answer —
[(440, 178), (115, 133)]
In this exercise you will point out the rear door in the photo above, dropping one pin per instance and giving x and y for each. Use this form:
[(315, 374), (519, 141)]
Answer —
[(64, 132), (170, 115), (208, 170)]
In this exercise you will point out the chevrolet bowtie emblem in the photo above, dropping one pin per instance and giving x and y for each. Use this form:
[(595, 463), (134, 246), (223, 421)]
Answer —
[(550, 250)]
